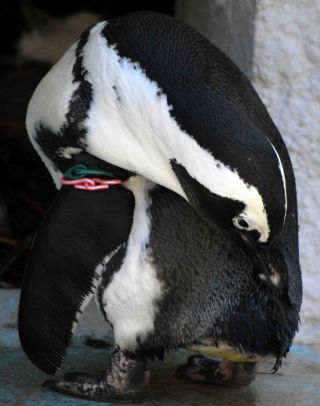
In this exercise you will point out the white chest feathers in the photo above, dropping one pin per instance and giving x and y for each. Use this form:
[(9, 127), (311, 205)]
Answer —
[(130, 300)]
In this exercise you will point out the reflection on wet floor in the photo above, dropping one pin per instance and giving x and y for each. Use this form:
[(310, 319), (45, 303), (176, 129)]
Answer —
[(297, 382)]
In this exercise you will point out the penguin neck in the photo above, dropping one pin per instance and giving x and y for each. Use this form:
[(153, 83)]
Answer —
[(149, 158), (157, 168)]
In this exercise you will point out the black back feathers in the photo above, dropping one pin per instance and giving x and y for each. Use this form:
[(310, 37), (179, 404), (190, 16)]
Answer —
[(216, 104)]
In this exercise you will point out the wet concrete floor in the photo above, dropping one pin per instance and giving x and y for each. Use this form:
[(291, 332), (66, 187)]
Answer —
[(296, 384)]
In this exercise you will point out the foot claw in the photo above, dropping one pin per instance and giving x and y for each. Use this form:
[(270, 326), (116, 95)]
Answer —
[(190, 373), (204, 370), (202, 362)]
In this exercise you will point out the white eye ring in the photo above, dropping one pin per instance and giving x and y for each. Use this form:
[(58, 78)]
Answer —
[(240, 223)]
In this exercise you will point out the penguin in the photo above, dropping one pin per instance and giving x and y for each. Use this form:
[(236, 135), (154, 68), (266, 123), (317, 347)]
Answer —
[(196, 246)]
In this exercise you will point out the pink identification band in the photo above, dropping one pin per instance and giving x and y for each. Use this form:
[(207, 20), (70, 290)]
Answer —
[(90, 184)]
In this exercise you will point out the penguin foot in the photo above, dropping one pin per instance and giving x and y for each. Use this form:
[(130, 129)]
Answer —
[(126, 381), (205, 370)]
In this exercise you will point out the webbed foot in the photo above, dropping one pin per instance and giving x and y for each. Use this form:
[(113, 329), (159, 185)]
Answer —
[(205, 370), (126, 381)]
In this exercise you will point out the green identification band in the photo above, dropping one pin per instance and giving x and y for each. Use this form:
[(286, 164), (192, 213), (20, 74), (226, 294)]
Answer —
[(81, 171)]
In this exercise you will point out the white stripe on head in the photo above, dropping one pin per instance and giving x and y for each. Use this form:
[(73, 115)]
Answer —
[(283, 181)]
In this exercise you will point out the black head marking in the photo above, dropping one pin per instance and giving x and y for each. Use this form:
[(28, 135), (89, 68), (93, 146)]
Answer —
[(72, 133)]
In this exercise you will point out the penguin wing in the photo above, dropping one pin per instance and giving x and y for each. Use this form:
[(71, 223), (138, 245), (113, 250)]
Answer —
[(79, 230)]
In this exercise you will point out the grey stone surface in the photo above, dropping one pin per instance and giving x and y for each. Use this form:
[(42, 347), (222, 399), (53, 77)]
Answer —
[(9, 299), (286, 74), (226, 23)]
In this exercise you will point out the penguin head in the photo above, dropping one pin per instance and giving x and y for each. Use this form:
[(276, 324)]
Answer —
[(235, 178)]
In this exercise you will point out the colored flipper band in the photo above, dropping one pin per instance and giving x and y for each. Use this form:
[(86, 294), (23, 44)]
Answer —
[(91, 184), (77, 176), (79, 171)]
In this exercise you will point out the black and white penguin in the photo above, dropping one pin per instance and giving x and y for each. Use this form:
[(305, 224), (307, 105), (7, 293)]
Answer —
[(198, 247)]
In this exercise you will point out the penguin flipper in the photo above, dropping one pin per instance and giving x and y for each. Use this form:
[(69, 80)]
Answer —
[(78, 231)]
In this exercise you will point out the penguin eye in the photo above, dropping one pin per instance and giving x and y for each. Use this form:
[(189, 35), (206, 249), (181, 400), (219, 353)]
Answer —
[(240, 223)]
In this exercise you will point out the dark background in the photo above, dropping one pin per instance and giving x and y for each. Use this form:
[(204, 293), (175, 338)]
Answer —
[(26, 189)]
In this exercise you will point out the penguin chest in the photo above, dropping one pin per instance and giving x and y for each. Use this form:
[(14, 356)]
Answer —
[(130, 299)]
